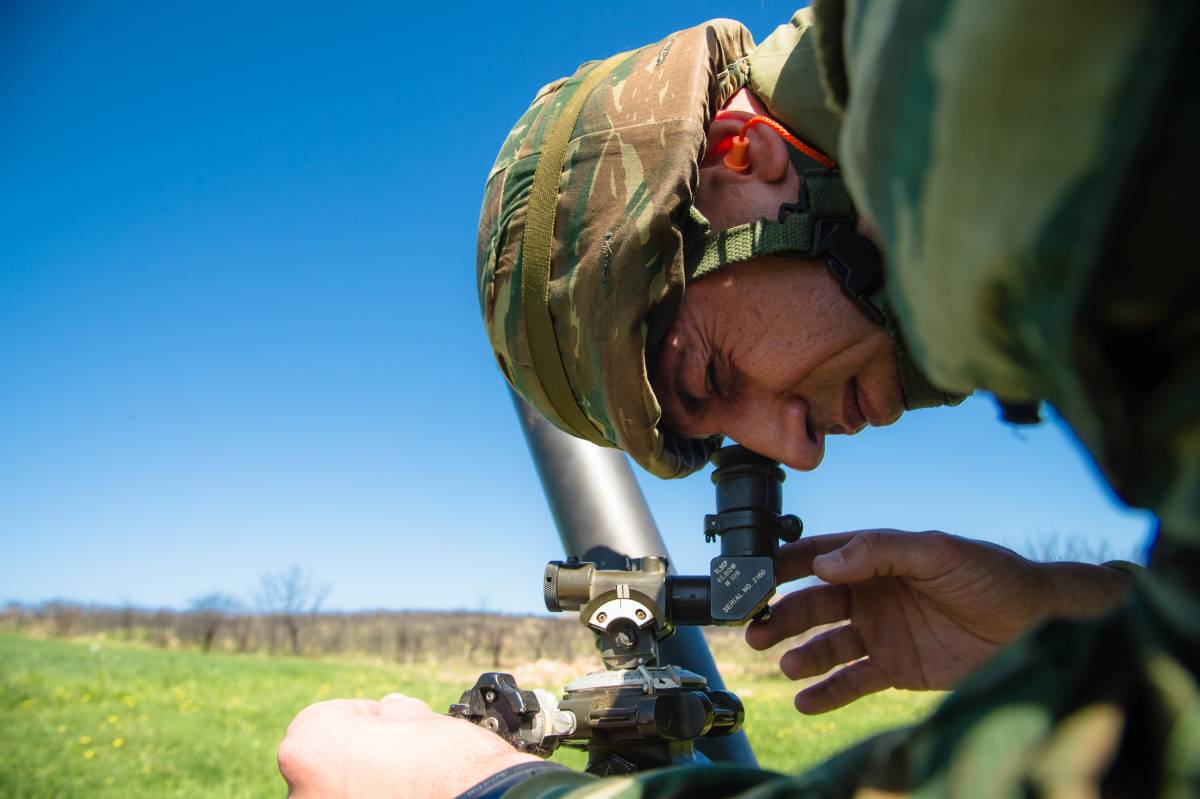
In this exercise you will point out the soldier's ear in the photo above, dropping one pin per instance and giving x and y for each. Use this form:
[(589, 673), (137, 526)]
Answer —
[(762, 155)]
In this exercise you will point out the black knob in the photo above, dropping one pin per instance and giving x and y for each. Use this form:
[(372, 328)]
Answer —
[(790, 528)]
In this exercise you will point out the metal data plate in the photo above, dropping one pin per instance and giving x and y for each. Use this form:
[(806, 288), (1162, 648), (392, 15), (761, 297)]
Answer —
[(740, 587)]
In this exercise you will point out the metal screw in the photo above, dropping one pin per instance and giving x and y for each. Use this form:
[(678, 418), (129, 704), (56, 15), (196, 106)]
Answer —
[(641, 614), (489, 696), (602, 617), (490, 723)]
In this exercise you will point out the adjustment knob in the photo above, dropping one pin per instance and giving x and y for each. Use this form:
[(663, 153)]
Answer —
[(790, 528), (550, 587)]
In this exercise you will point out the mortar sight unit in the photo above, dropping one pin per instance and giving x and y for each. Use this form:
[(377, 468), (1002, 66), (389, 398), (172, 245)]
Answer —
[(639, 713)]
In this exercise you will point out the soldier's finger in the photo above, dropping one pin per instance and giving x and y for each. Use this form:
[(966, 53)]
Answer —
[(800, 611), (844, 686), (886, 553), (822, 652), (399, 706), (795, 560), (332, 707)]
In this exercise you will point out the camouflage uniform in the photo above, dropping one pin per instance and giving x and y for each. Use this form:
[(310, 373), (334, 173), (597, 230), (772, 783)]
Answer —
[(1030, 167)]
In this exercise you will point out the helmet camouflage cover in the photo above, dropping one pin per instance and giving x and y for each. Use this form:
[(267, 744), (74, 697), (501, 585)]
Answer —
[(622, 202), (588, 234)]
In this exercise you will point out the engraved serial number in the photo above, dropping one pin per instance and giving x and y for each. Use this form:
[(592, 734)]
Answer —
[(747, 588)]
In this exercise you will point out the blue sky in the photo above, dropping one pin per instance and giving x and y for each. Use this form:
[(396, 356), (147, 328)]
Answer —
[(238, 327)]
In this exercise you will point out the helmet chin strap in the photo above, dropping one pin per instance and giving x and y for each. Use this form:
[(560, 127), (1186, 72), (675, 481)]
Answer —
[(854, 260), (822, 223)]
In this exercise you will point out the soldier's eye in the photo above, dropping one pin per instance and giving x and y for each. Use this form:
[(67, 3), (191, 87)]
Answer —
[(712, 380)]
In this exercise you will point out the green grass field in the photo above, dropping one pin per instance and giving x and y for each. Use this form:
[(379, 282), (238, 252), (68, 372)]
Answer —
[(105, 719)]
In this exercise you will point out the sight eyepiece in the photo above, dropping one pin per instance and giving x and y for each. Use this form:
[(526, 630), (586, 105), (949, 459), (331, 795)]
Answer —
[(750, 526)]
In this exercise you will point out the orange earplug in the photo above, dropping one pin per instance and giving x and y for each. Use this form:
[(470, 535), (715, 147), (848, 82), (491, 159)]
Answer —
[(737, 159)]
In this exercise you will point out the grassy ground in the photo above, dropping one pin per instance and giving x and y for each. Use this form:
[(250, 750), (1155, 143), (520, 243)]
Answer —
[(100, 719)]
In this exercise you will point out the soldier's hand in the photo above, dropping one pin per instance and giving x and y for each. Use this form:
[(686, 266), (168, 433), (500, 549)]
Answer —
[(917, 610), (394, 748)]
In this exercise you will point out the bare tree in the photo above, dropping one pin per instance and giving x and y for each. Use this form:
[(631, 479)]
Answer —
[(405, 649), (65, 616), (1055, 547), (127, 615), (495, 642), (288, 597), (243, 626), (207, 614), (14, 616)]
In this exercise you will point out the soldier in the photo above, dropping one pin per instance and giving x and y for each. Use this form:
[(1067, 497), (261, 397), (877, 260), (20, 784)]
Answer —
[(1029, 171)]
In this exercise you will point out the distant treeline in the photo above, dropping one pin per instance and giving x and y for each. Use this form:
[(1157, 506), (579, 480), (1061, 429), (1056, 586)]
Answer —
[(496, 640), (403, 636)]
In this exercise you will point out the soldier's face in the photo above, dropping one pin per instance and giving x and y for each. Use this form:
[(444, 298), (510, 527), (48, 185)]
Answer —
[(771, 353)]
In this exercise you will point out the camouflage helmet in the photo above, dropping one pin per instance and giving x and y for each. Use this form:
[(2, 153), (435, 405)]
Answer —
[(588, 235)]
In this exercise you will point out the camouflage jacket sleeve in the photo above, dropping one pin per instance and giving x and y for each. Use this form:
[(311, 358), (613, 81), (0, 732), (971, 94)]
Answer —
[(1030, 167)]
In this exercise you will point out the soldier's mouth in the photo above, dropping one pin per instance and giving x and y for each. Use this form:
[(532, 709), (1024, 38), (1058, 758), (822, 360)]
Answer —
[(854, 417)]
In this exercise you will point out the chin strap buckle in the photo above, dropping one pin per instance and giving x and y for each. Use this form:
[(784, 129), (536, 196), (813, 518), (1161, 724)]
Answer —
[(858, 266), (854, 260)]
